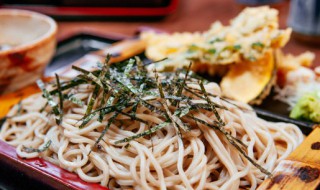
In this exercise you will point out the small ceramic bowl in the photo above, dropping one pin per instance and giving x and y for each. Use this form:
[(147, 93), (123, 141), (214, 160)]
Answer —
[(27, 44)]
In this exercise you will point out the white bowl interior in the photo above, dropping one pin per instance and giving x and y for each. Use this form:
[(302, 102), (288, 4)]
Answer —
[(20, 29)]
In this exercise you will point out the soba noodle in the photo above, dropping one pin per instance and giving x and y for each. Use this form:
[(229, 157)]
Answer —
[(202, 159)]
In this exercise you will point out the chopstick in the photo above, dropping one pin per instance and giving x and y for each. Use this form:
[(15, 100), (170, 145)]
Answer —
[(301, 170)]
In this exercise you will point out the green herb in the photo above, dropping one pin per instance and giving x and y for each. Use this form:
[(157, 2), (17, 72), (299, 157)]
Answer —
[(237, 47), (257, 45), (231, 48), (193, 48), (212, 51), (215, 40)]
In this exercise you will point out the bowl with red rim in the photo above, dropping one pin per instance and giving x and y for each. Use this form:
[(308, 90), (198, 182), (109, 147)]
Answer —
[(27, 44)]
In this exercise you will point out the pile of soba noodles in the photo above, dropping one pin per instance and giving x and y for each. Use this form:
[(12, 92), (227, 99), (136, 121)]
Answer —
[(124, 127)]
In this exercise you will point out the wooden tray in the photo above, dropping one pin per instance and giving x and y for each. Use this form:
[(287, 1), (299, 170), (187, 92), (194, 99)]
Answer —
[(300, 170)]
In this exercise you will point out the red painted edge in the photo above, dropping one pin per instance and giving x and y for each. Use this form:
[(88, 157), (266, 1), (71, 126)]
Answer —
[(48, 173), (101, 11)]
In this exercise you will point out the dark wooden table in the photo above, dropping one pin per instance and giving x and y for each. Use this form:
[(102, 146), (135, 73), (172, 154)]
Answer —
[(192, 15)]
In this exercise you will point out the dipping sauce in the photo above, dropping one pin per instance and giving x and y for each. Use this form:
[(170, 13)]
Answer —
[(4, 47)]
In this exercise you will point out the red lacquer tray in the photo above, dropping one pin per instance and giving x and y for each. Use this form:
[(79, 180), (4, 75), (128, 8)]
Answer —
[(122, 10), (44, 172)]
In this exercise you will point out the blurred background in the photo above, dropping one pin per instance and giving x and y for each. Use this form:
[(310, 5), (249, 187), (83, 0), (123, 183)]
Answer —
[(126, 17)]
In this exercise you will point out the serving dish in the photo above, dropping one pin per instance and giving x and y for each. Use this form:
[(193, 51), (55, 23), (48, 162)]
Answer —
[(72, 49), (27, 44)]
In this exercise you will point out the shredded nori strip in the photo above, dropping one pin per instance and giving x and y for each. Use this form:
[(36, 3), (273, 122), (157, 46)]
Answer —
[(122, 88), (102, 103), (44, 107), (181, 87), (49, 98), (58, 121), (92, 99), (211, 104), (72, 83), (88, 75), (176, 122), (145, 133), (87, 119), (39, 150), (74, 100), (111, 120)]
